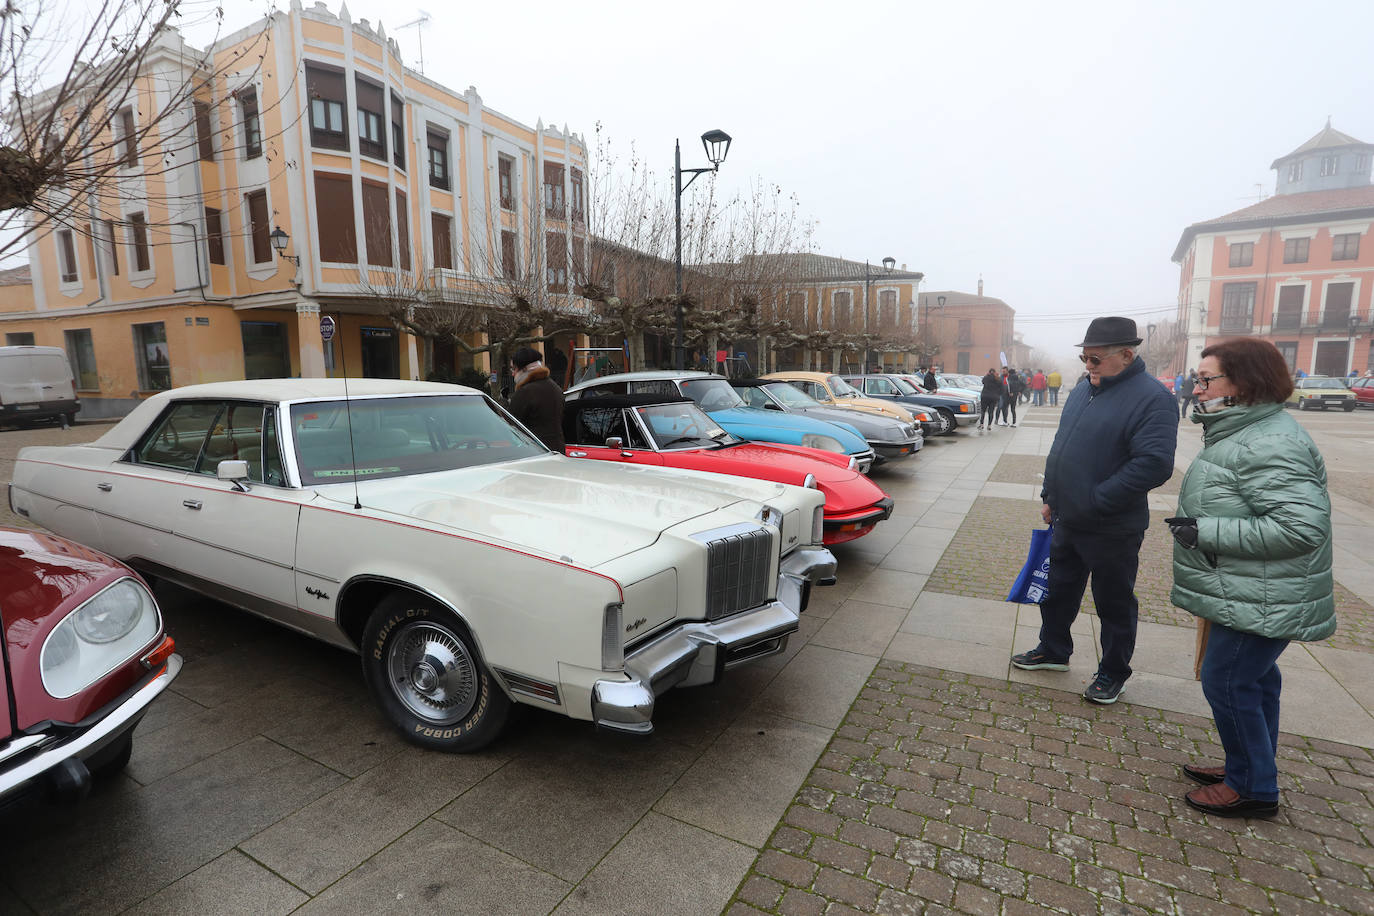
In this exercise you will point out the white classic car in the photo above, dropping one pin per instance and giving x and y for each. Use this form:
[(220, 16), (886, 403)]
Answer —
[(421, 526)]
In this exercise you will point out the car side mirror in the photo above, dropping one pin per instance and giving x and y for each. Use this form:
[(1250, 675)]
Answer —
[(235, 470), (771, 406), (614, 442)]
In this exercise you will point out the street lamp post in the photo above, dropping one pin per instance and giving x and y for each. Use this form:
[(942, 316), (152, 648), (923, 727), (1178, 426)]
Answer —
[(1350, 344), (717, 145), (927, 352), (888, 264)]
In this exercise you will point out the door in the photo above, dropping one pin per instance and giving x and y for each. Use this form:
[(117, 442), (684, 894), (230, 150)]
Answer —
[(1331, 357), (592, 426), (381, 353)]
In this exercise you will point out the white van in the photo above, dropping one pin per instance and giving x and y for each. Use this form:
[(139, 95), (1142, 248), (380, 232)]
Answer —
[(36, 383)]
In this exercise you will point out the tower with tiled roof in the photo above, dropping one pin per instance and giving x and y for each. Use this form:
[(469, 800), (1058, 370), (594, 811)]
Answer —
[(1329, 161)]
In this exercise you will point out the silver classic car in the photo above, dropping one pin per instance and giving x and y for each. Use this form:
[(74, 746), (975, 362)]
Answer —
[(421, 526)]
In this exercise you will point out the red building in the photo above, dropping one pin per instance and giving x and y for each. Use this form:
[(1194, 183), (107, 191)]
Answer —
[(1291, 268)]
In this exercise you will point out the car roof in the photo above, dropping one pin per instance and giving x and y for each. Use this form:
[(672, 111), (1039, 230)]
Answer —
[(786, 374), (756, 382), (645, 375), (625, 400)]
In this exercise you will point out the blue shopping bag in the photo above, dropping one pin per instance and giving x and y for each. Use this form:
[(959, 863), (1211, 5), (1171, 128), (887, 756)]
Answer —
[(1032, 585)]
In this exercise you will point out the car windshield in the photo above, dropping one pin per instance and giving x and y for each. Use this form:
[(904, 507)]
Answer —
[(791, 396), (840, 388), (374, 438), (904, 386), (682, 425), (711, 393), (1319, 382)]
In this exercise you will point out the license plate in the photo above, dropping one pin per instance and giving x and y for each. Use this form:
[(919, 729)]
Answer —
[(26, 407)]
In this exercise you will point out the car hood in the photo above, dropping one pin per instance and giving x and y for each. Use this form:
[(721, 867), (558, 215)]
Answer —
[(584, 512), (868, 424), (741, 417)]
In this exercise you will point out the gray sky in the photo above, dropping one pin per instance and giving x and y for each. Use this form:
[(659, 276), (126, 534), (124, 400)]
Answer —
[(1057, 149)]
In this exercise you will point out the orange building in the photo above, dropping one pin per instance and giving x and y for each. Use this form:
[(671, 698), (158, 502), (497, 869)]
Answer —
[(1291, 268), (383, 182), (972, 333)]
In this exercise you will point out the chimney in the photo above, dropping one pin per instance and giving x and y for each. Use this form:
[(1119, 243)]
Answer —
[(980, 286)]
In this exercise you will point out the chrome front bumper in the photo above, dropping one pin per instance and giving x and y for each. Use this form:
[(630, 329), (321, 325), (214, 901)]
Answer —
[(700, 653), (33, 758)]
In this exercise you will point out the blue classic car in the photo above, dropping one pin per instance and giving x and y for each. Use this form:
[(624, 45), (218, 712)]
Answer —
[(714, 394)]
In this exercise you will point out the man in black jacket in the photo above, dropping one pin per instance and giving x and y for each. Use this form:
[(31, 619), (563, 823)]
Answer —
[(537, 401), (1115, 443)]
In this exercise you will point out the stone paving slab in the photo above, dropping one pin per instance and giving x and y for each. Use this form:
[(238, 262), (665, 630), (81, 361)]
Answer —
[(945, 792)]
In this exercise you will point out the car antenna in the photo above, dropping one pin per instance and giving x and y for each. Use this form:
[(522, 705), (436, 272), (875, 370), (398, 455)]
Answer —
[(327, 332)]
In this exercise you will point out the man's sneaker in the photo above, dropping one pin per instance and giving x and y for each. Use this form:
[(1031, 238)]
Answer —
[(1038, 660), (1104, 690)]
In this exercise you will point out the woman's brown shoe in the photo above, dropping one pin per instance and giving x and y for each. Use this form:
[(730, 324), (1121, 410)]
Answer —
[(1224, 801), (1207, 776)]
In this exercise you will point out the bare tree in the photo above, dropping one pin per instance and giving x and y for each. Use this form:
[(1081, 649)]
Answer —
[(71, 74)]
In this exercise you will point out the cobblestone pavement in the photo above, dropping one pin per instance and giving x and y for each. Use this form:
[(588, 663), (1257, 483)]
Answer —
[(1356, 485), (944, 792)]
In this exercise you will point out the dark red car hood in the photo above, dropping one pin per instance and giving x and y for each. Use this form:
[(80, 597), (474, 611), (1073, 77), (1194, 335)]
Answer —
[(42, 577)]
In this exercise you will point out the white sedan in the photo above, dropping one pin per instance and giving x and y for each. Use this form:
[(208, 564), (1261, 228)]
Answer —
[(421, 526)]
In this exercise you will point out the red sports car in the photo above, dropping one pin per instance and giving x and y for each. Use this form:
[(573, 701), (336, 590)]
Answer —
[(84, 656), (659, 430)]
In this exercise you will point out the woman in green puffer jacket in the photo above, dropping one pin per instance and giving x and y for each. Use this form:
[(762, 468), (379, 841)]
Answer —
[(1253, 557)]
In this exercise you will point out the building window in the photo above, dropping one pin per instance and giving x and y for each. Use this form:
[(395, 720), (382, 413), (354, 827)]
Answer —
[(1295, 251), (438, 159), (1361, 163), (259, 225), (1295, 172), (150, 352), (1345, 247), (508, 255), (839, 310), (965, 338), (371, 117), (402, 231), (328, 97), (441, 229), (334, 214), (19, 339), (579, 196), (556, 262), (1288, 349), (81, 354), (1237, 307), (377, 223), (265, 353), (252, 126), (127, 138), (1336, 316), (505, 170), (398, 132), (214, 235), (1330, 165), (107, 227), (553, 189), (1289, 314), (887, 309), (1243, 254), (205, 135), (66, 255), (138, 230)]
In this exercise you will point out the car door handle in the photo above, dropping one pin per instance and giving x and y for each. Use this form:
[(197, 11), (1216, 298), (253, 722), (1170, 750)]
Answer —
[(104, 487), (191, 503), (577, 454)]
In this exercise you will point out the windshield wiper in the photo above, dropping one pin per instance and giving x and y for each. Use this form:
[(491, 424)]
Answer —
[(680, 439)]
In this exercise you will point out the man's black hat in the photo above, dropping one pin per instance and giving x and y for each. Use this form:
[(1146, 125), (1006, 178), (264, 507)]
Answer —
[(1111, 332)]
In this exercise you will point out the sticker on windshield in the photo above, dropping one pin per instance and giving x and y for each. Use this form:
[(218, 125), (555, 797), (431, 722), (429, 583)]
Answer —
[(361, 472)]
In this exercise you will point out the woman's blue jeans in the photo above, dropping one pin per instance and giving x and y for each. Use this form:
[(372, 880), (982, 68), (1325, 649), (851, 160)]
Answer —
[(1241, 681)]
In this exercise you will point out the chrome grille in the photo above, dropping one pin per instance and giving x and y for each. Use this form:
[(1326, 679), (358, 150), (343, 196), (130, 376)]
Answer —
[(737, 568)]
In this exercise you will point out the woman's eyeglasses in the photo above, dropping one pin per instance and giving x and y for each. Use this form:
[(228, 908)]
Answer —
[(1204, 380), (1095, 361)]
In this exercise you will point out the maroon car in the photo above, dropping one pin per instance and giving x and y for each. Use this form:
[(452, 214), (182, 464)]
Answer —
[(84, 655), (1364, 391), (659, 430)]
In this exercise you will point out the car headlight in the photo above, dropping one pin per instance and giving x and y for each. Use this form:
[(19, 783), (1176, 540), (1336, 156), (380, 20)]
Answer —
[(612, 648), (817, 440), (810, 482), (963, 408), (98, 637), (818, 525)]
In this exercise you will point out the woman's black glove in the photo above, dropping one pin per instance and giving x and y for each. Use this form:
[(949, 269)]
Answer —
[(1184, 530)]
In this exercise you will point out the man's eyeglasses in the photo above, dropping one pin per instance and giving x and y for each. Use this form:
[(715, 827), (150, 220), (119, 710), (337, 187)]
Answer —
[(1095, 361), (1204, 380)]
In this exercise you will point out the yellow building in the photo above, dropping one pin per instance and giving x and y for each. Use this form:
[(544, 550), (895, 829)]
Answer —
[(383, 181)]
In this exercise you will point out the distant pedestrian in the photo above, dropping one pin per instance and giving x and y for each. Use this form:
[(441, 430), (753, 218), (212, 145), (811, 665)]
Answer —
[(1252, 560), (990, 398), (930, 382), (537, 401), (1053, 381), (1183, 393), (1037, 386)]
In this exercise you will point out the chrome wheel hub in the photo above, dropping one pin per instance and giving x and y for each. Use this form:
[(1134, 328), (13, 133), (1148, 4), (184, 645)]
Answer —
[(433, 673)]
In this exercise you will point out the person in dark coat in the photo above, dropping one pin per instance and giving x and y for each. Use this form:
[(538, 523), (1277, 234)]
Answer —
[(990, 397), (930, 382), (1184, 392), (537, 401), (1115, 444)]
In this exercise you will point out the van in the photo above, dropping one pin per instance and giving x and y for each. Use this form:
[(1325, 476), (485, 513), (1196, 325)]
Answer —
[(36, 383)]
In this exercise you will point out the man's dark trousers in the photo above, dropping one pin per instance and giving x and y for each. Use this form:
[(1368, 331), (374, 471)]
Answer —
[(1112, 561)]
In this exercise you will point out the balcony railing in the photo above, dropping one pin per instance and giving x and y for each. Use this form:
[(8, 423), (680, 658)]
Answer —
[(1237, 324), (1338, 321), (1287, 322)]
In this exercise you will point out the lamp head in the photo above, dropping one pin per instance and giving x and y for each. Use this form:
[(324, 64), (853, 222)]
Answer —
[(940, 300), (279, 240), (889, 263), (717, 145)]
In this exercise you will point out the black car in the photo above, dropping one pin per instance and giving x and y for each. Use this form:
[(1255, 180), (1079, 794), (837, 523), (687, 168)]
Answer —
[(956, 409)]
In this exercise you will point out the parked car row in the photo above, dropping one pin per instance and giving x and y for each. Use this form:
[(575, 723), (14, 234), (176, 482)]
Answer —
[(1320, 392)]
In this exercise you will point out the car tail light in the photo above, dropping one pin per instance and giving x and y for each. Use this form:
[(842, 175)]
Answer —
[(818, 525), (159, 655), (612, 648)]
